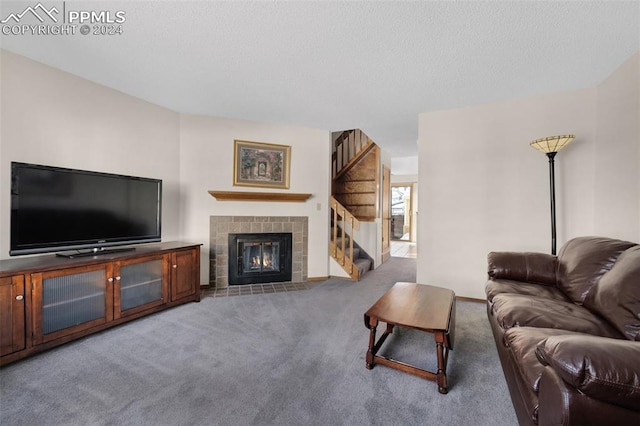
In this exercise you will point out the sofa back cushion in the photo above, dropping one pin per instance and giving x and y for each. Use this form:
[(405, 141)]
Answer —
[(583, 261), (522, 266), (616, 297)]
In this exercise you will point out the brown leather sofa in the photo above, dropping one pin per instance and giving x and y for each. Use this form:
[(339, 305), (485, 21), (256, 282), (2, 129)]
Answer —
[(567, 330)]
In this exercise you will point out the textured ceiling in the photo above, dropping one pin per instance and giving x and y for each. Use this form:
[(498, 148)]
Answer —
[(342, 65)]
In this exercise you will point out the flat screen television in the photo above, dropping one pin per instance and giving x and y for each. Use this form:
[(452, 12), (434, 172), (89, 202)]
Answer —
[(79, 211)]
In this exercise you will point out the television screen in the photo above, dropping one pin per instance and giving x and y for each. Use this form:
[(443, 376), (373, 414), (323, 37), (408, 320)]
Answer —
[(54, 208)]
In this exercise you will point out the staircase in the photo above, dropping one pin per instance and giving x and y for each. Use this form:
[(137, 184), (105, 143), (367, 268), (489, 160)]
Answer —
[(354, 189), (356, 174), (342, 247), (349, 147)]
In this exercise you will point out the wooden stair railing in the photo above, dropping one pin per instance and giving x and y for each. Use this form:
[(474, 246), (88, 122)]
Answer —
[(339, 249), (348, 148)]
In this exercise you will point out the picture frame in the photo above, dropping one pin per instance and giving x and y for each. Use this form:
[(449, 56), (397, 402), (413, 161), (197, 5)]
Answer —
[(260, 164)]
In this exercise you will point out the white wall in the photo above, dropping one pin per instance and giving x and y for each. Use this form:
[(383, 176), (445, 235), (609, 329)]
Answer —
[(617, 154), (206, 163), (51, 117), (482, 188)]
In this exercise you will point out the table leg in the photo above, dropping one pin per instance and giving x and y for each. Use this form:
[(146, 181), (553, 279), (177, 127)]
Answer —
[(441, 375), (373, 324)]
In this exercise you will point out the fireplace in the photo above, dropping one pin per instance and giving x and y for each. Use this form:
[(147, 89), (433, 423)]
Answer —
[(260, 258), (222, 226)]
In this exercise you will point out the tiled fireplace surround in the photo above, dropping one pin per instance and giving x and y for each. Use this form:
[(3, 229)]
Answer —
[(221, 226)]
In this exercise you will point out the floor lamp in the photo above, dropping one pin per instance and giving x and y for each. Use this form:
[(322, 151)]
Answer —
[(551, 146)]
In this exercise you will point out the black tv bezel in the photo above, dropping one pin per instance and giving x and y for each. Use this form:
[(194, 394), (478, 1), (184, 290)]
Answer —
[(92, 246)]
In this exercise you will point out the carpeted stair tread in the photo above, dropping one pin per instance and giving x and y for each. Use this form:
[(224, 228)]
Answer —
[(363, 265), (339, 242), (356, 250)]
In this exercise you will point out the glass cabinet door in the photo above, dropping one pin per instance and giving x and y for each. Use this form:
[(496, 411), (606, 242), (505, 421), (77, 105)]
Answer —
[(140, 284), (69, 301)]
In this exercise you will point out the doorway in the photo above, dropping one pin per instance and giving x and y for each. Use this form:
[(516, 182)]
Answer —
[(401, 212)]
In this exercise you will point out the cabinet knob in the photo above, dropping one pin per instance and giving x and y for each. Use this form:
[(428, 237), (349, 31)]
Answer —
[(110, 279), (175, 266), (19, 297), (118, 278)]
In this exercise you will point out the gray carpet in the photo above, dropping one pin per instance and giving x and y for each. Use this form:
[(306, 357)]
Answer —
[(294, 358)]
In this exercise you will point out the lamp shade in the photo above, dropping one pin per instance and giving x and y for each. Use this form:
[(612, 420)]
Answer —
[(552, 143)]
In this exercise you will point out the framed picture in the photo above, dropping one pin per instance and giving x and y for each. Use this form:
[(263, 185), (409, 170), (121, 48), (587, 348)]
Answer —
[(261, 164)]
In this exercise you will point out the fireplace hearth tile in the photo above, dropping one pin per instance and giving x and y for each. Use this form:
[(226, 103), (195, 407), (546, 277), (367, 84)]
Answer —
[(257, 289)]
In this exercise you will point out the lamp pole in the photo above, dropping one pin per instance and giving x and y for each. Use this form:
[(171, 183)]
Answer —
[(550, 146), (552, 194)]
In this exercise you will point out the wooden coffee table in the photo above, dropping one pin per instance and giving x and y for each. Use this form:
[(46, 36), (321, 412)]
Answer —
[(422, 307)]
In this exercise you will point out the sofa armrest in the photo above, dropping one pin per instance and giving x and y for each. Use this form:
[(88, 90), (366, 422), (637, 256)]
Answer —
[(559, 403), (522, 266), (602, 368)]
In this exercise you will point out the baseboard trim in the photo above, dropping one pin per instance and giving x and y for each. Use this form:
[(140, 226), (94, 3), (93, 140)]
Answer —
[(337, 277), (314, 279), (471, 299)]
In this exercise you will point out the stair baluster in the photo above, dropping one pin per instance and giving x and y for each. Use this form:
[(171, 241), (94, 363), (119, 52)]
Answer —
[(341, 247), (348, 148)]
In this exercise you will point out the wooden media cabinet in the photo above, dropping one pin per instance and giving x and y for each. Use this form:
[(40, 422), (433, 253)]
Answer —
[(46, 301)]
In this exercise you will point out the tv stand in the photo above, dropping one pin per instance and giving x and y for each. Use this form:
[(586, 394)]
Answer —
[(47, 301), (93, 252)]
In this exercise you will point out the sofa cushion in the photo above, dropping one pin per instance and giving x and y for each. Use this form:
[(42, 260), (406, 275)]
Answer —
[(522, 343), (583, 261), (616, 297), (516, 310), (604, 369), (495, 287)]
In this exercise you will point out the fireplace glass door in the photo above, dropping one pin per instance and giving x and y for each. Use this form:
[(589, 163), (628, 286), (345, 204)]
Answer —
[(259, 258)]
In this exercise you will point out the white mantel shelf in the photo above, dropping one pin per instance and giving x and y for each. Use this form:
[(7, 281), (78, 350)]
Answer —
[(290, 197)]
